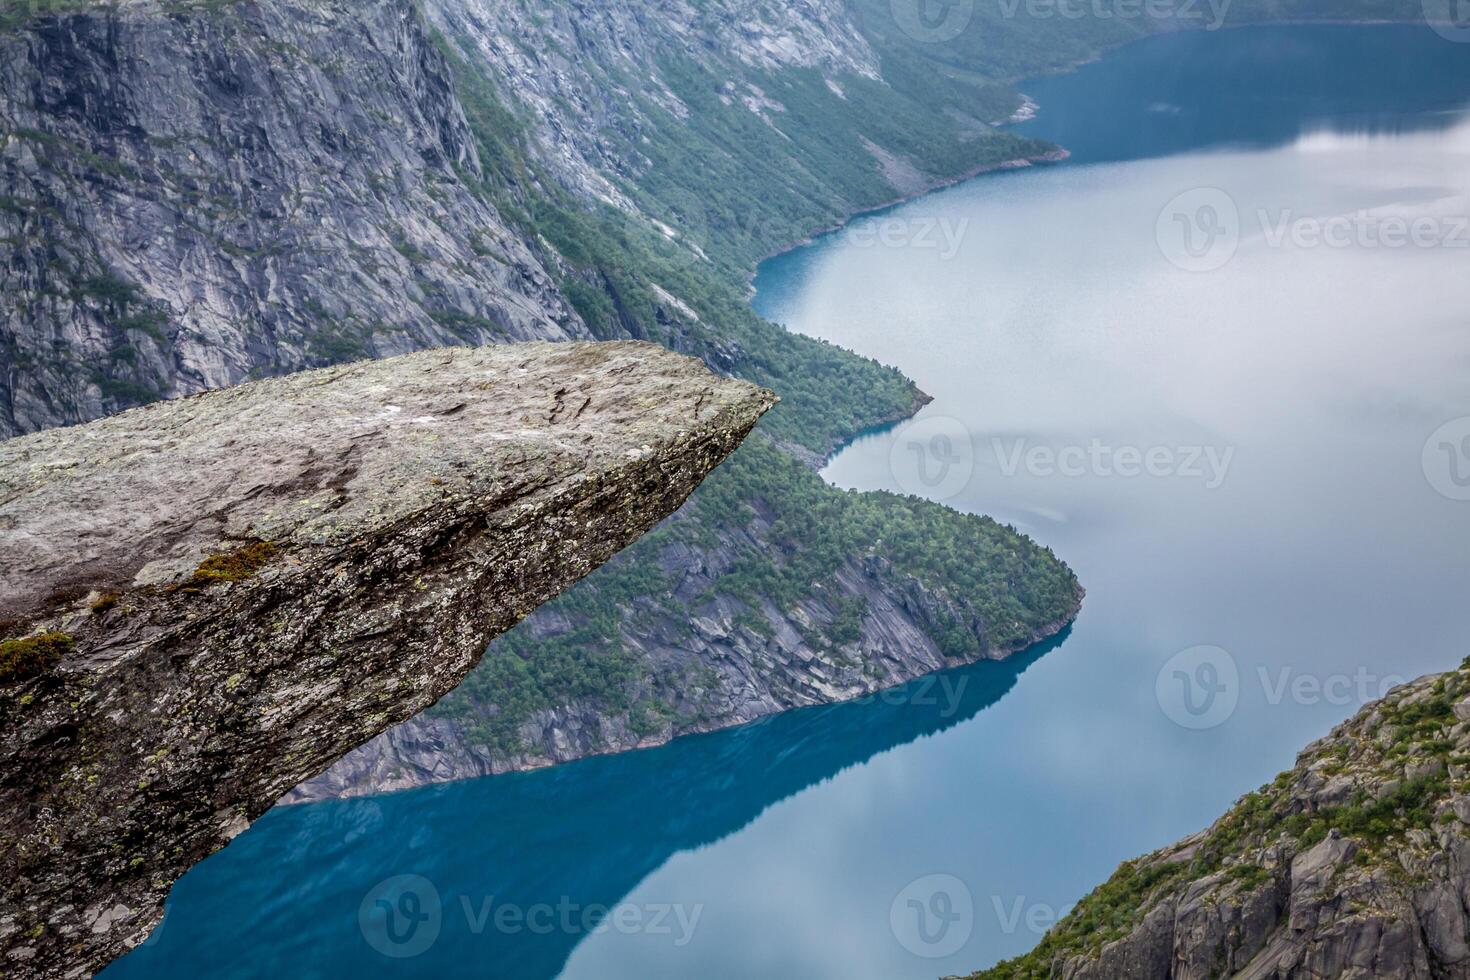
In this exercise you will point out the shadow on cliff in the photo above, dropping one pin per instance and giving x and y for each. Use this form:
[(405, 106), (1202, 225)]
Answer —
[(299, 893)]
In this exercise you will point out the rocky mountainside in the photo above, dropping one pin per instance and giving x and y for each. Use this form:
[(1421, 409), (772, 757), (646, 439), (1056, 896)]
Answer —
[(195, 194), (1355, 863), (592, 75), (728, 669), (206, 600), (734, 127), (190, 198)]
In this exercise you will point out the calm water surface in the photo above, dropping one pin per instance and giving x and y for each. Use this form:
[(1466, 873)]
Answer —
[(1282, 398)]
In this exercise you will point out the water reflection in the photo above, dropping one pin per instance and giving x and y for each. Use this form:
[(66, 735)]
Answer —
[(571, 839), (1263, 87)]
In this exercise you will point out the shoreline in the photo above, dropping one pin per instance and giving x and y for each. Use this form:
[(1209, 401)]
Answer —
[(922, 399), (1059, 154), (1028, 110), (1048, 633)]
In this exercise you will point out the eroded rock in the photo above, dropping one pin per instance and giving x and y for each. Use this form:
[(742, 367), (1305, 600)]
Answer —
[(248, 583)]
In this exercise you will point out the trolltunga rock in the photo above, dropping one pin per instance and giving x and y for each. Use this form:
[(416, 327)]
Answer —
[(205, 601)]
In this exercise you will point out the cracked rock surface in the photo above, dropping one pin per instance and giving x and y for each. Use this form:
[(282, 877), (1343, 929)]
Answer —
[(207, 600)]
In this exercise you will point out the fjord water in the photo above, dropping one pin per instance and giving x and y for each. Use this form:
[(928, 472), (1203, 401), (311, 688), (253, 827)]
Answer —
[(1298, 522)]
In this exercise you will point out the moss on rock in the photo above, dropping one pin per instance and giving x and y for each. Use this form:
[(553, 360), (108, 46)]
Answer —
[(27, 657), (235, 566)]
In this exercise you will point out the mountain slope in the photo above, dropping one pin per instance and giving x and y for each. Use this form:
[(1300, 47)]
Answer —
[(1355, 863), (191, 199), (386, 195)]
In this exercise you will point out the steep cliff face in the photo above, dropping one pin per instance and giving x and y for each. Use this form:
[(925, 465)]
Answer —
[(594, 76), (735, 127), (700, 654), (1356, 863), (193, 197), (207, 600), (195, 194)]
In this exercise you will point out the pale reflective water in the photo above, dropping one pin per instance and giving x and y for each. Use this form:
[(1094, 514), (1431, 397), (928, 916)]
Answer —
[(1282, 400)]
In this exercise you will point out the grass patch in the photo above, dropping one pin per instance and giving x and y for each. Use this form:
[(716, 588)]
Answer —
[(31, 656), (234, 566)]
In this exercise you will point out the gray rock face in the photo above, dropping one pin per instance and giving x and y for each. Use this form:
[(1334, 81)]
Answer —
[(190, 200), (207, 600), (743, 674), (1356, 864), (590, 73)]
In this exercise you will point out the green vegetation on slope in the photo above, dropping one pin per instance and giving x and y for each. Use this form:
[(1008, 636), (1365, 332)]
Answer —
[(743, 188), (614, 266), (1402, 758), (994, 583), (984, 571)]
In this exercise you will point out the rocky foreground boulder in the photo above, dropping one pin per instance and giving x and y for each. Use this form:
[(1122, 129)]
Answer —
[(1353, 864), (205, 601)]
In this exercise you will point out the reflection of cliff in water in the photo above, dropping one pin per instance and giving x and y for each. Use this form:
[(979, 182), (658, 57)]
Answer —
[(1313, 79), (285, 895)]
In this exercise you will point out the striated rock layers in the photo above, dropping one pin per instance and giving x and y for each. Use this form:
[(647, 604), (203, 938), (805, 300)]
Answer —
[(207, 600), (195, 196), (1353, 864)]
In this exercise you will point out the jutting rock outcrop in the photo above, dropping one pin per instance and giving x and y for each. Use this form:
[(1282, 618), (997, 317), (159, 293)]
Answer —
[(205, 601), (1353, 864)]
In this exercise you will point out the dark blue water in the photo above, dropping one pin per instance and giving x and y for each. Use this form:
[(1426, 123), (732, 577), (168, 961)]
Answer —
[(1232, 614), (1258, 87)]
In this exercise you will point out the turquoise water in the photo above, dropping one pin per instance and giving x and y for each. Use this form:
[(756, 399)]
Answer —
[(1311, 551)]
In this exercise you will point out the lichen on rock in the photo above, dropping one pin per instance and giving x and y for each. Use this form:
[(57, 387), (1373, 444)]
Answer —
[(253, 581)]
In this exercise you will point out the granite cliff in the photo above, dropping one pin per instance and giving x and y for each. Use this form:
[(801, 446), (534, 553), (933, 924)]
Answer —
[(193, 197), (207, 600)]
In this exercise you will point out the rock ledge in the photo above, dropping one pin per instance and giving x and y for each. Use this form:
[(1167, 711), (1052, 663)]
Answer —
[(206, 601)]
